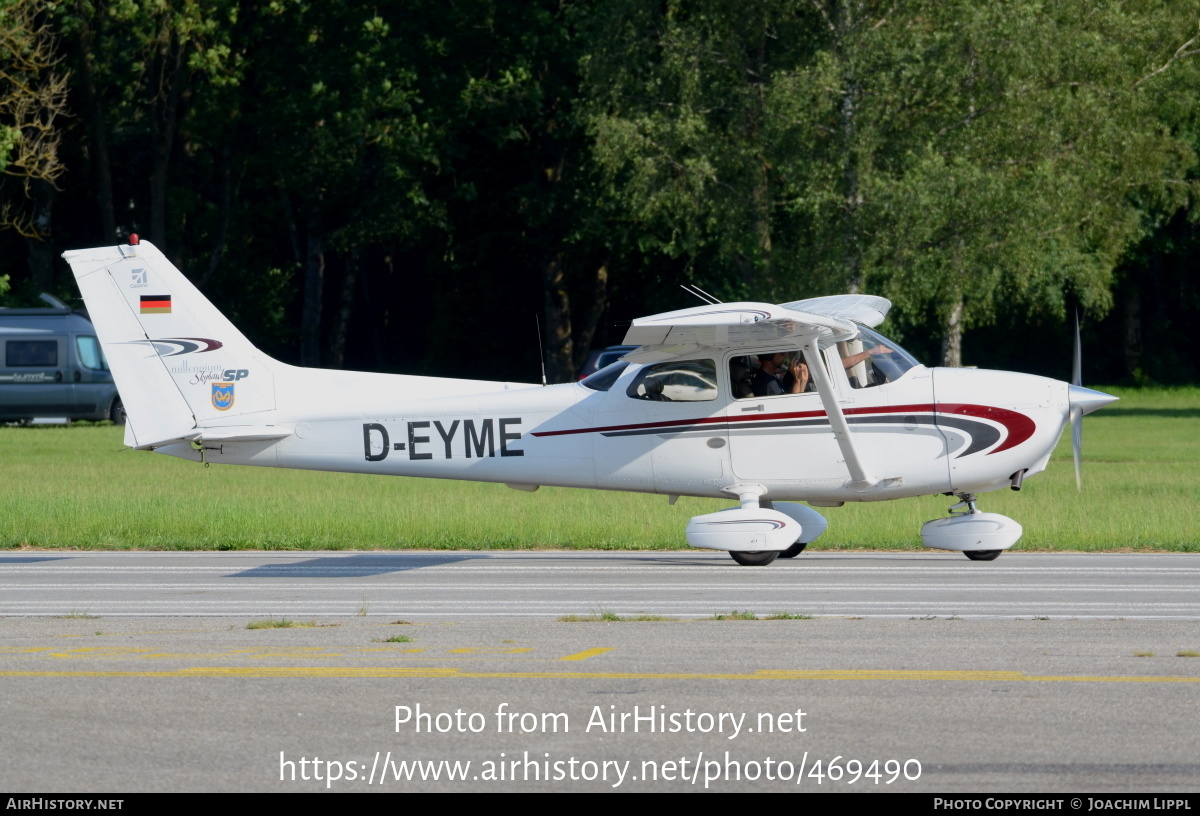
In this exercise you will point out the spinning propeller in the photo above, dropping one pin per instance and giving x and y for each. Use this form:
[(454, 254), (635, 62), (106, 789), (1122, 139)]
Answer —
[(1082, 401)]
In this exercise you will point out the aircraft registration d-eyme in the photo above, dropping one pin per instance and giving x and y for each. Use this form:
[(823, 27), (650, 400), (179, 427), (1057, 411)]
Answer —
[(690, 412)]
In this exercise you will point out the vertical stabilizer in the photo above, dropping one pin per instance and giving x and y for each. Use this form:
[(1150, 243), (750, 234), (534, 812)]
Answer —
[(177, 361)]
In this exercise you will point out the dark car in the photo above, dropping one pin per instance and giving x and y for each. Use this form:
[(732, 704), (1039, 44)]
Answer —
[(51, 365)]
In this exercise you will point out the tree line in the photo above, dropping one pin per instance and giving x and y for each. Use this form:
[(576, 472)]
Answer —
[(422, 186)]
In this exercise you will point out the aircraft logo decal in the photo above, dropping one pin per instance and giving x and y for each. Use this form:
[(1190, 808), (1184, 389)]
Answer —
[(156, 304), (173, 346), (139, 279), (222, 396)]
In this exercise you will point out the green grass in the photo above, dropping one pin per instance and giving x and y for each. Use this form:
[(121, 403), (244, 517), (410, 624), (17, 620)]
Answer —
[(78, 487), (735, 615), (609, 617), (393, 639), (277, 623)]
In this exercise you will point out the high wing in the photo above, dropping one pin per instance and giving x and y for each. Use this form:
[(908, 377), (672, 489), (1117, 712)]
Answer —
[(744, 325), (868, 310)]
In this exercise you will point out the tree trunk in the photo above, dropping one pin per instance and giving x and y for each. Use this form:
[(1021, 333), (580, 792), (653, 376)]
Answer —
[(163, 123), (226, 210), (337, 341), (952, 337), (40, 245), (591, 320), (849, 13), (314, 291), (1132, 319), (97, 129), (560, 366), (761, 203)]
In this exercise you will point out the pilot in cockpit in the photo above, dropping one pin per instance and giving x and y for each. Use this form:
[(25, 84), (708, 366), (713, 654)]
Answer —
[(778, 375)]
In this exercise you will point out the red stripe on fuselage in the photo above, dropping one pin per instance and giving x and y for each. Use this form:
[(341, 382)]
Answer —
[(1018, 426)]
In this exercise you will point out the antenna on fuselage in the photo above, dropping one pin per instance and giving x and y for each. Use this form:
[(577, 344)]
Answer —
[(541, 350), (696, 291)]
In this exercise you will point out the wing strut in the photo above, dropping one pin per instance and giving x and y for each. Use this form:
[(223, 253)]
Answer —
[(859, 476)]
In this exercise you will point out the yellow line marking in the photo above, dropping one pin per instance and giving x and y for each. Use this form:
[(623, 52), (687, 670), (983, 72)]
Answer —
[(586, 653), (149, 632), (487, 650), (766, 674)]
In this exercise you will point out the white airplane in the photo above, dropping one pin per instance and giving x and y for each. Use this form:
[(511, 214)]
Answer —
[(678, 416)]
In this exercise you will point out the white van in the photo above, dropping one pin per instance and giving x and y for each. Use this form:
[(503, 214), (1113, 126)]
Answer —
[(51, 366)]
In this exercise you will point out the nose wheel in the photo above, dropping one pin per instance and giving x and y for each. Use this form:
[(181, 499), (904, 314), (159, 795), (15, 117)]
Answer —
[(966, 507), (983, 555), (754, 559), (977, 535)]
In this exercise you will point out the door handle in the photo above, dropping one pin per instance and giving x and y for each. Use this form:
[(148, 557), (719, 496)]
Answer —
[(758, 407)]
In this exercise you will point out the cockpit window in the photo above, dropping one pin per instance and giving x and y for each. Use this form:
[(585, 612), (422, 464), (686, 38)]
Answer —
[(604, 379), (871, 359), (769, 374), (676, 381)]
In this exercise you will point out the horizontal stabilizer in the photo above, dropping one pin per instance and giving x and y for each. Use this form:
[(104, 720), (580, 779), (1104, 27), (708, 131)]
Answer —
[(241, 433)]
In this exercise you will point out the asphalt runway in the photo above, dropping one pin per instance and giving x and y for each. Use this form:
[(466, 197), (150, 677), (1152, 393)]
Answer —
[(461, 584), (922, 672)]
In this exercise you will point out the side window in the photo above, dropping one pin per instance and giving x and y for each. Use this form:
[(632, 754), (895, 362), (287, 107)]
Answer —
[(90, 354), (40, 353), (769, 374), (676, 381)]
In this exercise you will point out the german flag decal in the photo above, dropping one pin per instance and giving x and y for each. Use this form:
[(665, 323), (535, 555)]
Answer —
[(156, 304)]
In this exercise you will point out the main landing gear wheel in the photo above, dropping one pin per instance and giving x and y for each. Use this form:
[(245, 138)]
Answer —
[(754, 559), (983, 555), (794, 550), (117, 412)]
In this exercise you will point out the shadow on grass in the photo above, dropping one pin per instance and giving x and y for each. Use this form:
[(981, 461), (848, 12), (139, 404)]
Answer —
[(352, 566)]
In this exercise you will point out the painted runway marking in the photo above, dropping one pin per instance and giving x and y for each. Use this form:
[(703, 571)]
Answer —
[(586, 653)]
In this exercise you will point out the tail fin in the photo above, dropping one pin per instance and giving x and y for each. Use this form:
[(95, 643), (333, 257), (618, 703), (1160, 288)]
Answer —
[(178, 363)]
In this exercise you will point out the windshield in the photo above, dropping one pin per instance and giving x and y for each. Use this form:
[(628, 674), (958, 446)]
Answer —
[(871, 359), (603, 379)]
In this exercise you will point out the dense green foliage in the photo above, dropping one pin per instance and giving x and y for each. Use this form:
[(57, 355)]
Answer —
[(349, 181), (1139, 492)]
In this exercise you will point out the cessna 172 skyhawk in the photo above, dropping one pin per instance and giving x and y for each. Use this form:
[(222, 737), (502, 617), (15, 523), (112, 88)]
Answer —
[(677, 416)]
